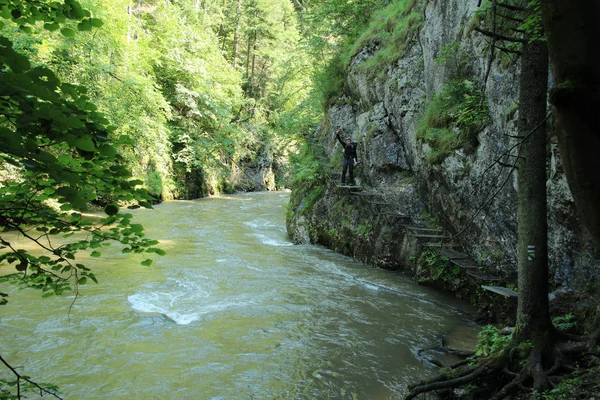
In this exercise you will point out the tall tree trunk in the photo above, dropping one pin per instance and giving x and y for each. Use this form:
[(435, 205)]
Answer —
[(236, 33), (573, 32), (248, 57), (533, 319), (253, 70)]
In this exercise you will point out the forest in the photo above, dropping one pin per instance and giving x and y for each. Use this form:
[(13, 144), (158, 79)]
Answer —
[(117, 105)]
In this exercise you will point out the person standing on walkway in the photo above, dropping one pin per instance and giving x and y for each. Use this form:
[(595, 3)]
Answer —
[(350, 158)]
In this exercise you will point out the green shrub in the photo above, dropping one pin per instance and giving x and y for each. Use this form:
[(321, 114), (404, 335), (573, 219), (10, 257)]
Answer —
[(305, 166), (438, 267), (453, 119), (491, 340), (564, 322), (311, 198), (154, 184), (330, 80), (392, 29)]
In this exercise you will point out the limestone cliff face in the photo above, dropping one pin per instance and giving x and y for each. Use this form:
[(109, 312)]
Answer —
[(260, 172), (468, 193)]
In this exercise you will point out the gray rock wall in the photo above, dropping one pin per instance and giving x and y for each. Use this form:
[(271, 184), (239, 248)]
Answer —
[(468, 193)]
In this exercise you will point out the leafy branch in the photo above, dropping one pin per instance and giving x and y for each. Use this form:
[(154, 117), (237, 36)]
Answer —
[(49, 389)]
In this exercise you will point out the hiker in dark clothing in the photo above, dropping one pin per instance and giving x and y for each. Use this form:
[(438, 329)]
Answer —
[(350, 158)]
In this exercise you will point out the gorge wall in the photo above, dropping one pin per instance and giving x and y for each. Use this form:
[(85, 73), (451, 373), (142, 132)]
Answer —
[(411, 177), (263, 170)]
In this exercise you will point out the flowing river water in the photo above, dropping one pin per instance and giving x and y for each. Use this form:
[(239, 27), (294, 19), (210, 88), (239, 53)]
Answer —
[(234, 311)]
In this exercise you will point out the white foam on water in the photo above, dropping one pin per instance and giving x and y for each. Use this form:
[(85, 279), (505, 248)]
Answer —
[(270, 241), (173, 307), (369, 285), (261, 224), (183, 300)]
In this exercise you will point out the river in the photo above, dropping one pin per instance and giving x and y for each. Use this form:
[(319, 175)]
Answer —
[(234, 311)]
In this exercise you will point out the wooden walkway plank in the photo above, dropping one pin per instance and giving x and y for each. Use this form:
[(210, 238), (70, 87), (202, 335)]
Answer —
[(465, 264), (506, 292), (368, 194), (451, 254), (482, 275), (440, 244), (397, 214), (430, 236), (422, 229)]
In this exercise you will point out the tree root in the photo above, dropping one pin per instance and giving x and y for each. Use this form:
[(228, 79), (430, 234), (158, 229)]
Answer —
[(444, 349), (513, 385), (548, 358), (443, 381)]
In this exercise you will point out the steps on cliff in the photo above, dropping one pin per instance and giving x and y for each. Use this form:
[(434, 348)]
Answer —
[(398, 215), (422, 229), (450, 254), (506, 292), (430, 236), (364, 193), (465, 263), (440, 245), (483, 276)]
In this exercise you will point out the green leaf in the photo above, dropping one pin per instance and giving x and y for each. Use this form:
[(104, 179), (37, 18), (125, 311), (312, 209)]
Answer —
[(82, 280), (160, 252), (85, 143), (111, 209), (17, 62), (22, 266), (96, 22), (68, 32), (51, 26), (107, 151), (95, 254), (137, 227), (84, 25), (147, 262)]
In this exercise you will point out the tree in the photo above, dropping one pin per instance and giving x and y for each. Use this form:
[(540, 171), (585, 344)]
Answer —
[(533, 310), (536, 352), (57, 154), (572, 30)]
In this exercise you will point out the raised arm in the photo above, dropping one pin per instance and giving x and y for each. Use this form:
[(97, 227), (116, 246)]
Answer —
[(337, 135)]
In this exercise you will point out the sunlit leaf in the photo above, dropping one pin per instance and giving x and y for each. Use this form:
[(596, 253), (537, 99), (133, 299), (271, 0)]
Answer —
[(68, 32)]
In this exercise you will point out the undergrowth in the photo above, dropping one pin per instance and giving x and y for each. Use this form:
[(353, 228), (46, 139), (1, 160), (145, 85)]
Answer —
[(391, 30), (453, 119)]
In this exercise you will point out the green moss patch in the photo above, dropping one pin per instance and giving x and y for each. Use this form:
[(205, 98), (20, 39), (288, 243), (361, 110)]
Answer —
[(453, 119), (392, 30)]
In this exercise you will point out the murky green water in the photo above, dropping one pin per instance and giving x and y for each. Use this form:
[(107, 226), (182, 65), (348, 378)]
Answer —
[(235, 311)]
